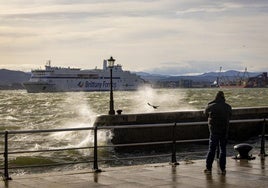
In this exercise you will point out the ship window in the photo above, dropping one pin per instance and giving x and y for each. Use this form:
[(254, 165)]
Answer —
[(88, 76)]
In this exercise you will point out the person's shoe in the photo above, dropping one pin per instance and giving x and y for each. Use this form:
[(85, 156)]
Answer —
[(207, 171), (223, 172)]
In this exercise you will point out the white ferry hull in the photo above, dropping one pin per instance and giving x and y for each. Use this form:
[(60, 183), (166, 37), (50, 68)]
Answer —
[(84, 85), (39, 87)]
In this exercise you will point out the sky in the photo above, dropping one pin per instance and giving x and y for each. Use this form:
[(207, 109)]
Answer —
[(174, 37)]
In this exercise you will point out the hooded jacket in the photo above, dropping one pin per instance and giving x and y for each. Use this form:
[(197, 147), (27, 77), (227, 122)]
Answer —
[(218, 113)]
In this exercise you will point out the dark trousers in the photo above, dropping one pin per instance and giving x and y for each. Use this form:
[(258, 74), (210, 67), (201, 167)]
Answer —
[(214, 142)]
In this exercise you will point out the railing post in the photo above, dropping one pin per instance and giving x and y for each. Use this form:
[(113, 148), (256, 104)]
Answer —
[(262, 152), (173, 155), (6, 174), (96, 168)]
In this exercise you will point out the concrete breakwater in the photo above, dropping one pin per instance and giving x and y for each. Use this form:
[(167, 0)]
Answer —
[(238, 131)]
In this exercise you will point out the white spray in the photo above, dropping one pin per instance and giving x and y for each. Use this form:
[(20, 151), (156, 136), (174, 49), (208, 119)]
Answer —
[(83, 116)]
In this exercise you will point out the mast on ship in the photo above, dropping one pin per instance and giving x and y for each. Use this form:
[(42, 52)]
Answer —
[(48, 64)]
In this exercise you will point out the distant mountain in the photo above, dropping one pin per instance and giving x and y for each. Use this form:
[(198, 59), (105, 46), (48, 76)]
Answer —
[(205, 77), (231, 73), (151, 77), (10, 79)]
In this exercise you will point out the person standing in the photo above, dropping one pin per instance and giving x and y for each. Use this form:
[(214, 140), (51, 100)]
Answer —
[(218, 113)]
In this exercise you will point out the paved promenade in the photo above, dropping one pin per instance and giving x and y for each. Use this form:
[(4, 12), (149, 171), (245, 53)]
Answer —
[(240, 173)]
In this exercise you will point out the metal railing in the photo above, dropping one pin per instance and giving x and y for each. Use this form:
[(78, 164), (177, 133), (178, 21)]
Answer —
[(173, 142)]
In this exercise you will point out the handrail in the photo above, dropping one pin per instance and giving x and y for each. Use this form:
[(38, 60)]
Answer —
[(47, 130), (96, 146), (46, 150)]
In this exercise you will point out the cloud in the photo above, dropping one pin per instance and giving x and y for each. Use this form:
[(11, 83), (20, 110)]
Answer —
[(194, 67), (219, 9), (83, 10), (140, 34)]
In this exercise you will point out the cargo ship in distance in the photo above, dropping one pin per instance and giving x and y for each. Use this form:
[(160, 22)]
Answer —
[(58, 79), (244, 81)]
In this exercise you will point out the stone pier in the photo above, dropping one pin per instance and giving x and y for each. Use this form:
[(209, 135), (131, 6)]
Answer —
[(238, 131)]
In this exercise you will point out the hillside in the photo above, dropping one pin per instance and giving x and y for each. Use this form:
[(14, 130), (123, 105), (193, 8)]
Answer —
[(205, 77), (10, 79)]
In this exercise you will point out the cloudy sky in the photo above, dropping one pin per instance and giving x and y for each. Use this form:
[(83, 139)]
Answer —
[(173, 37)]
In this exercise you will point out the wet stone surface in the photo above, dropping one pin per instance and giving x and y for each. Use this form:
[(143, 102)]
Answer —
[(240, 173)]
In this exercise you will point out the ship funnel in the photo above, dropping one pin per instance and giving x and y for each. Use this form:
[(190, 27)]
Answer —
[(104, 64), (48, 63)]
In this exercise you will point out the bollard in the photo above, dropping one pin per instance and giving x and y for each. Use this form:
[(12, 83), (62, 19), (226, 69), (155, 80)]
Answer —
[(173, 155), (6, 174), (95, 167), (243, 150)]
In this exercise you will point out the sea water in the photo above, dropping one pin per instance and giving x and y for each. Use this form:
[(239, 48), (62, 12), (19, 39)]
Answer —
[(20, 110)]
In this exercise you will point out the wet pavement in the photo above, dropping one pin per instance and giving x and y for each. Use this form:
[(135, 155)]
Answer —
[(240, 173)]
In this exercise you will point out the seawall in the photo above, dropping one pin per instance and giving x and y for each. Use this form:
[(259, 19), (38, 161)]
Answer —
[(238, 131)]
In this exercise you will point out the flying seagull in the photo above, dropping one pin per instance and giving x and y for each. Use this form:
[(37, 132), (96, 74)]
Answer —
[(155, 107)]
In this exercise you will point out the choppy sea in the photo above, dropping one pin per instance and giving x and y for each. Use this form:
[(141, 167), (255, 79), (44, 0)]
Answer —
[(20, 110)]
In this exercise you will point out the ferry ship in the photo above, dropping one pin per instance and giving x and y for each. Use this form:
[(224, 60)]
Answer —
[(245, 81), (58, 79)]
